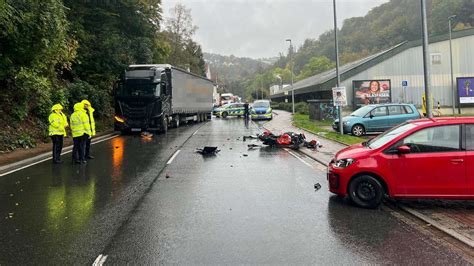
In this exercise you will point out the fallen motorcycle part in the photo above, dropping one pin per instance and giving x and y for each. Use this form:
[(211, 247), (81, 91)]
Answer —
[(313, 144), (207, 150), (249, 137), (253, 146), (317, 187)]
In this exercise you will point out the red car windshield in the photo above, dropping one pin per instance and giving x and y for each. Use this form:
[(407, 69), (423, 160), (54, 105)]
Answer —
[(389, 135)]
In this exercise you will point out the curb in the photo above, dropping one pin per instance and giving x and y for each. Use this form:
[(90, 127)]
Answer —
[(448, 231), (45, 156)]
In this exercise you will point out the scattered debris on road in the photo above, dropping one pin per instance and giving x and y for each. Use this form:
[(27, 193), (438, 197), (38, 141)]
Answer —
[(317, 187), (313, 144), (146, 135), (208, 150), (253, 146), (249, 137)]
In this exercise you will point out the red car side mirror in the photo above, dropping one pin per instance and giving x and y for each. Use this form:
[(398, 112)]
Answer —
[(403, 149)]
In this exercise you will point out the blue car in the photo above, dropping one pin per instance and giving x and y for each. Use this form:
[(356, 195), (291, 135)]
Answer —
[(261, 110), (377, 118)]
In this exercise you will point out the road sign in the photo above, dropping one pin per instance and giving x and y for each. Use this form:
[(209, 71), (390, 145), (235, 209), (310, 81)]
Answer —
[(404, 91), (339, 96), (286, 92)]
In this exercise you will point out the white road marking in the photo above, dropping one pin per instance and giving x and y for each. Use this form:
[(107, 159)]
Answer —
[(195, 132), (100, 260), (50, 157), (298, 157), (172, 157)]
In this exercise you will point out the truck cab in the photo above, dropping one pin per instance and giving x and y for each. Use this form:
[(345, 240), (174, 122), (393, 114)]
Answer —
[(141, 99)]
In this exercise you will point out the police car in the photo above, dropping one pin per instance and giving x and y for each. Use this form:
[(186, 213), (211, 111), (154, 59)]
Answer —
[(230, 109), (261, 110)]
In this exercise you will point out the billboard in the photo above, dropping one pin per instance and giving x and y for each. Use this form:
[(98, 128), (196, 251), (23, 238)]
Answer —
[(371, 92), (465, 88)]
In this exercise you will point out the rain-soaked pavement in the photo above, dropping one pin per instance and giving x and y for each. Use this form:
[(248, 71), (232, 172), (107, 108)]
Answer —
[(241, 206)]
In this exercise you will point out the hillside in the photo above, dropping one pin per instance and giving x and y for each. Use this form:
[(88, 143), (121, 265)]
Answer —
[(230, 71), (385, 26)]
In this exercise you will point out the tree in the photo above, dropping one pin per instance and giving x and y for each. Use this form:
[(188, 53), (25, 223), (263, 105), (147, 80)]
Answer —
[(185, 53), (315, 66)]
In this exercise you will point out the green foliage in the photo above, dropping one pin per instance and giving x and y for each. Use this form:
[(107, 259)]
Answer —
[(302, 108), (31, 85), (302, 121), (315, 66), (185, 53), (25, 141), (442, 9), (64, 51), (80, 90)]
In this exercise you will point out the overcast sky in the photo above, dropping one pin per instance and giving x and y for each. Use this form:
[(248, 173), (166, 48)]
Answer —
[(259, 28)]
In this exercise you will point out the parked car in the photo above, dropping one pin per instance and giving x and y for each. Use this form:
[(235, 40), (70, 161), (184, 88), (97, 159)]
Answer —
[(261, 110), (230, 109), (377, 118), (424, 158)]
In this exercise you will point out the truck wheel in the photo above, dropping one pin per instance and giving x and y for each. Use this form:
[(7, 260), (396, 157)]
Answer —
[(175, 121), (164, 124), (224, 114)]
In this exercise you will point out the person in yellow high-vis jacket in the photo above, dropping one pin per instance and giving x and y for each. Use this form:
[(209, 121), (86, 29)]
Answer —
[(81, 130), (57, 130), (90, 112)]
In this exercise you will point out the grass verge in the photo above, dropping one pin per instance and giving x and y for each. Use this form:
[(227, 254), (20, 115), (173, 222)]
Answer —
[(302, 121)]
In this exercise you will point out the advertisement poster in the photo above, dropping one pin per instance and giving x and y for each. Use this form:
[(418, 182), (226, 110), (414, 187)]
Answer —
[(371, 92), (339, 96), (466, 90)]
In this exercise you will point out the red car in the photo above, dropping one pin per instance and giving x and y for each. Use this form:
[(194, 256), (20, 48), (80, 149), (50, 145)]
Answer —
[(424, 158)]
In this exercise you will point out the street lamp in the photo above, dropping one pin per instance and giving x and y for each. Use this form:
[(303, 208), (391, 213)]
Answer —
[(450, 19), (292, 89), (338, 77), (426, 64)]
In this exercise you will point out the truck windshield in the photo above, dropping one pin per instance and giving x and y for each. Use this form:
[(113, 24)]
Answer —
[(131, 89)]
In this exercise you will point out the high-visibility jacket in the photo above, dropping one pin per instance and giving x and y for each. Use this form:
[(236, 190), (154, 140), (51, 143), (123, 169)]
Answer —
[(57, 124), (80, 121), (90, 112)]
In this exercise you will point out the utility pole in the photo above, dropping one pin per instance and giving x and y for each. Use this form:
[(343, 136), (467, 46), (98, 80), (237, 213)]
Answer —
[(451, 62), (426, 63), (292, 89), (338, 78)]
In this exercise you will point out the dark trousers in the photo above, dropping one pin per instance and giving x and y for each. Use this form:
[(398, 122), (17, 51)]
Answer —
[(57, 147), (88, 146), (79, 148)]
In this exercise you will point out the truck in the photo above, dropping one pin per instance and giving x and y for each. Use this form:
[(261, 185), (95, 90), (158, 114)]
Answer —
[(226, 98), (156, 97)]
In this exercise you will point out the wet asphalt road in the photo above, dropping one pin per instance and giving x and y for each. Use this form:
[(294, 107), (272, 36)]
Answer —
[(228, 209)]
